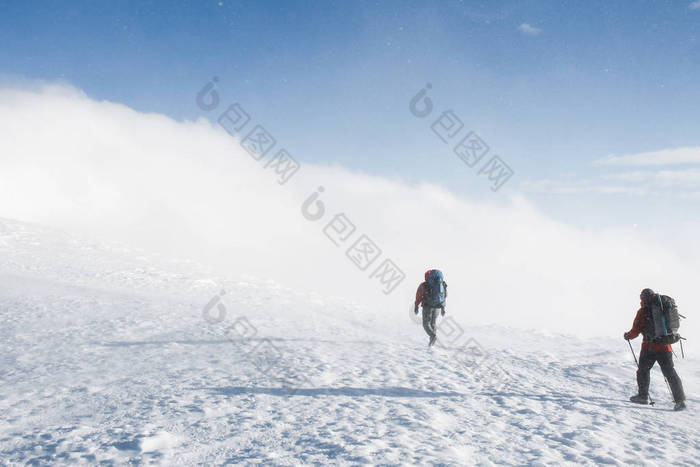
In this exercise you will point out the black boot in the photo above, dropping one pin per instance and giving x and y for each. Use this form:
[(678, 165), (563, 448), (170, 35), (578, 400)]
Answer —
[(433, 338), (679, 406), (640, 399)]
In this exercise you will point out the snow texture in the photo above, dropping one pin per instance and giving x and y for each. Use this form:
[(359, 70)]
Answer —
[(108, 356)]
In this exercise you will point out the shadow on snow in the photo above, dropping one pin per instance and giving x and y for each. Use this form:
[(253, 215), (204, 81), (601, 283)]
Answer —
[(567, 401), (223, 341), (342, 391)]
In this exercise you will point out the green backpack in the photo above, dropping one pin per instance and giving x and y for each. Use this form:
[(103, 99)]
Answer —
[(665, 320)]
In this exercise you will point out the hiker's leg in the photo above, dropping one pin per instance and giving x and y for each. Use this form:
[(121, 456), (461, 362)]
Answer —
[(646, 361), (433, 319), (666, 363), (427, 312)]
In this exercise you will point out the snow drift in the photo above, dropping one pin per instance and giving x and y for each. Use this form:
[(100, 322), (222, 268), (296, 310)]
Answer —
[(106, 358), (189, 189)]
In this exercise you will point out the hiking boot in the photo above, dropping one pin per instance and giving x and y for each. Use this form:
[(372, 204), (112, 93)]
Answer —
[(640, 399), (433, 338), (679, 406)]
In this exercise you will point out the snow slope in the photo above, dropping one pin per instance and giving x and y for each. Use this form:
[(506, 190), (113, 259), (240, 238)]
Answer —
[(107, 356)]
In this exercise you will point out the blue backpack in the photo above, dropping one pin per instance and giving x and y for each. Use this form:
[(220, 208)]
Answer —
[(435, 290)]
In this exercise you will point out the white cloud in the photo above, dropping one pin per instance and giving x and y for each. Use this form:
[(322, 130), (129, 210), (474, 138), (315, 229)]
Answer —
[(684, 155), (529, 30), (571, 187), (661, 179), (188, 189), (637, 183), (695, 5)]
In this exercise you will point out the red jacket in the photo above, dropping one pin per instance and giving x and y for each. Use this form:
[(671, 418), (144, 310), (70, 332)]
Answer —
[(421, 289), (639, 326), (419, 293)]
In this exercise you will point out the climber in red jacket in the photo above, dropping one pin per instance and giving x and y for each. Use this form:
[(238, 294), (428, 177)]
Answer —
[(431, 296), (651, 353)]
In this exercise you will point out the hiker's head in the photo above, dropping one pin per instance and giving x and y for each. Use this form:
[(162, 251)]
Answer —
[(427, 273), (646, 295)]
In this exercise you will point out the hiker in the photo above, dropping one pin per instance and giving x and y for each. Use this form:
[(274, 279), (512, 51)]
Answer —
[(431, 296), (655, 348)]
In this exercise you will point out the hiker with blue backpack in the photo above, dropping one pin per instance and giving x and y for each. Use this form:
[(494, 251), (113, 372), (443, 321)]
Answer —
[(431, 296), (658, 321)]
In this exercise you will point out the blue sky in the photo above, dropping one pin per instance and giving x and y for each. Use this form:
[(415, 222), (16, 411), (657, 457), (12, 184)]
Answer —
[(551, 86)]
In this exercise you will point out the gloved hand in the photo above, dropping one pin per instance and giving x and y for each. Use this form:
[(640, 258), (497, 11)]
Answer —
[(442, 312), (415, 309), (627, 336)]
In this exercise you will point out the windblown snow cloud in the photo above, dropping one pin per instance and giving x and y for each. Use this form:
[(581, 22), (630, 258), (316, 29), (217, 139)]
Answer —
[(189, 189)]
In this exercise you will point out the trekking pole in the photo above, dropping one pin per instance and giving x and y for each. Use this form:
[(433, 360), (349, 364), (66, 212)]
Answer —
[(669, 389), (633, 354), (651, 401)]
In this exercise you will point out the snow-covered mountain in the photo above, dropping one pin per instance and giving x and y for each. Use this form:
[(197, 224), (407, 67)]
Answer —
[(112, 356)]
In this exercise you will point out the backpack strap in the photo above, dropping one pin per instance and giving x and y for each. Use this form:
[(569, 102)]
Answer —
[(663, 312)]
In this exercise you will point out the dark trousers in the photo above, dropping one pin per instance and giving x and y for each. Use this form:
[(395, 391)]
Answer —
[(429, 318), (647, 358)]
